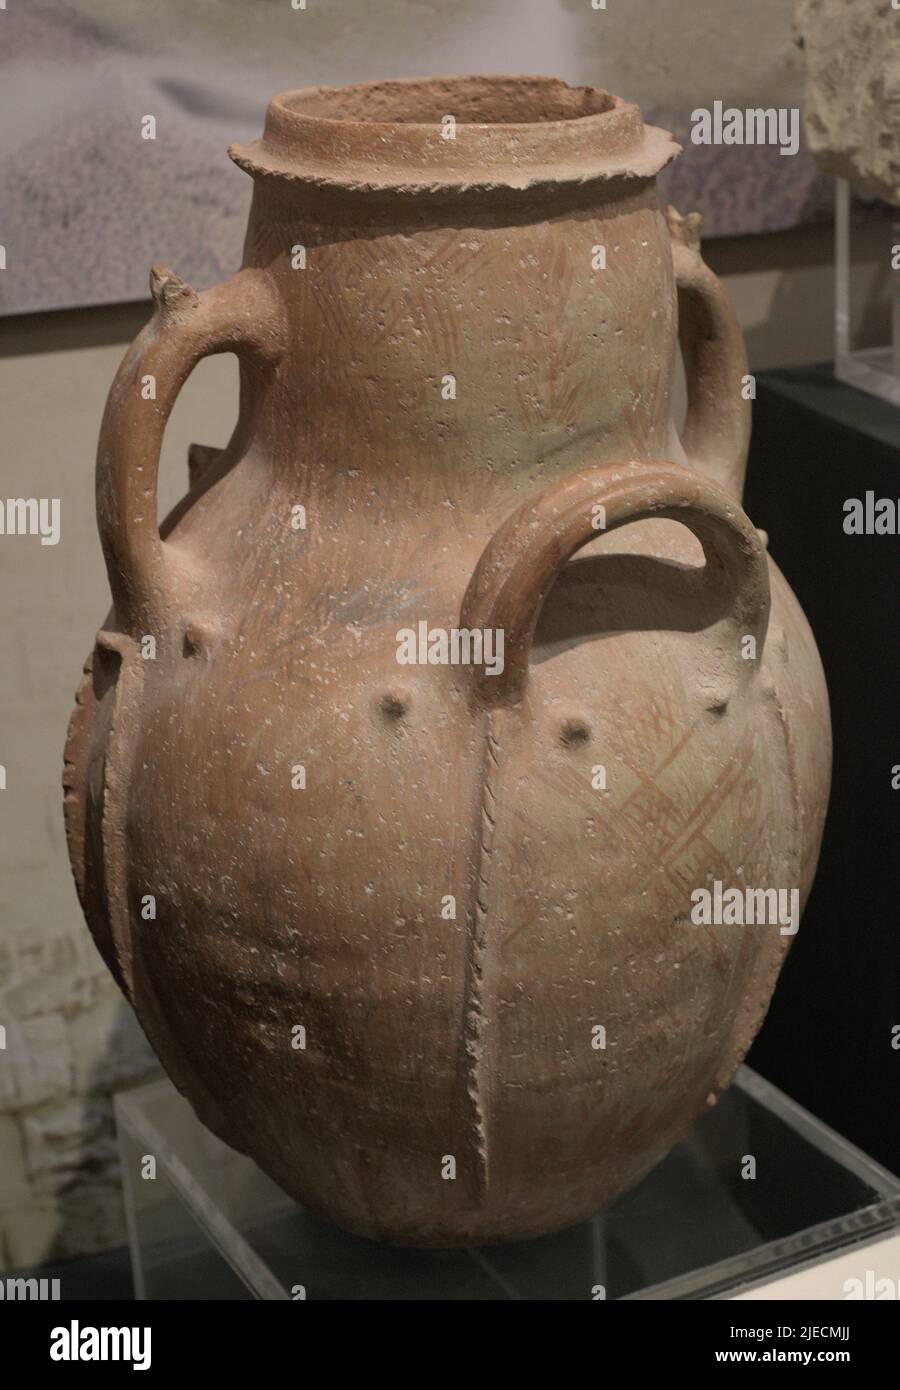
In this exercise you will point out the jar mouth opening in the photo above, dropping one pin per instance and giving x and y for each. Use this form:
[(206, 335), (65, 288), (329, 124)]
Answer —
[(449, 134), (466, 100)]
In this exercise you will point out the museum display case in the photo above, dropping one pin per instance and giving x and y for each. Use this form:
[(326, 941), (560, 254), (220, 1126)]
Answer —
[(211, 1225)]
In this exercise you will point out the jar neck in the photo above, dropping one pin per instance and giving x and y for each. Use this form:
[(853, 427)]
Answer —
[(447, 354)]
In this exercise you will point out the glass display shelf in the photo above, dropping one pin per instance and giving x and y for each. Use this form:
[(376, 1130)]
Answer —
[(205, 1223), (872, 369)]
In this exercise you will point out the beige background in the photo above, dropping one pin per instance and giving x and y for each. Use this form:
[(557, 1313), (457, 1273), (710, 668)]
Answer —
[(87, 203)]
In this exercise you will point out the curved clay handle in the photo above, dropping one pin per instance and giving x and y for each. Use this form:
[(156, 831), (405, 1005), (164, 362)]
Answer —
[(716, 435), (243, 316), (522, 561)]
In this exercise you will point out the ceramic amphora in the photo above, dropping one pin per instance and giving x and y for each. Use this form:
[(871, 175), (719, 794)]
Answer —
[(413, 921)]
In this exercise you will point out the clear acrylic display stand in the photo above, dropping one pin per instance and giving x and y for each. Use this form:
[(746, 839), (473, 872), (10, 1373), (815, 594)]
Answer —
[(211, 1225), (876, 369)]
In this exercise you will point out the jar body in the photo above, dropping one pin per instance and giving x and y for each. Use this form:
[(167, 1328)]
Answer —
[(429, 956)]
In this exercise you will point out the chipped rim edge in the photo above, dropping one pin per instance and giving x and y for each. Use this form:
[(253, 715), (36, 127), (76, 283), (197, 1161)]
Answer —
[(413, 157)]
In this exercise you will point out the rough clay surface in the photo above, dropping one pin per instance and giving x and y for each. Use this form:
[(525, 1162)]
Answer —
[(446, 902), (852, 91)]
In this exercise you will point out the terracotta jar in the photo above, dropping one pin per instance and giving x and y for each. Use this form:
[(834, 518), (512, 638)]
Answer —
[(419, 935)]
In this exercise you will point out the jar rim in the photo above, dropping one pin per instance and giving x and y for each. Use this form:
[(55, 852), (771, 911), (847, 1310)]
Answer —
[(439, 133)]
